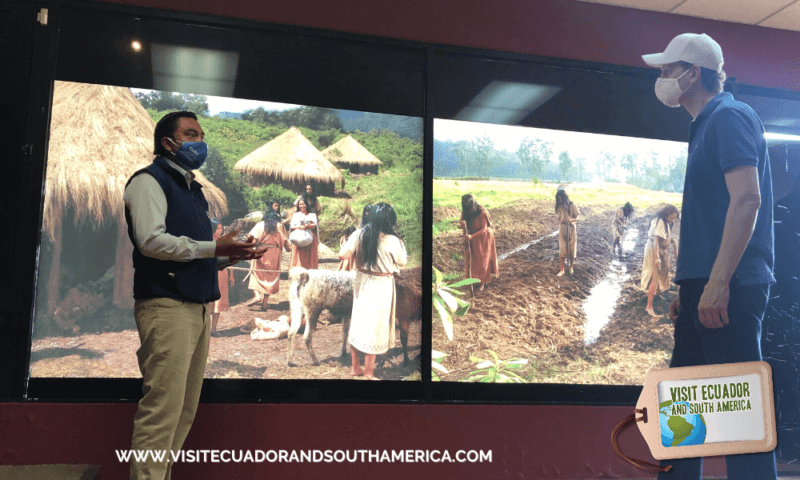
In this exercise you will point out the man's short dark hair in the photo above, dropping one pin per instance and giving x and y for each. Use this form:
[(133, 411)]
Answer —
[(166, 128), (712, 81)]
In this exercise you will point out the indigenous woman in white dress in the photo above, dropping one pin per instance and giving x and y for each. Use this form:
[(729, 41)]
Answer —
[(656, 265), (379, 253)]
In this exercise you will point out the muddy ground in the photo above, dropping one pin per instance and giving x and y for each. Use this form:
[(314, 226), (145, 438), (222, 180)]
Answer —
[(232, 355), (529, 312)]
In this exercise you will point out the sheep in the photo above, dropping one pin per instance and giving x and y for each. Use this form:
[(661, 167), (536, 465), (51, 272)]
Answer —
[(315, 290), (408, 298)]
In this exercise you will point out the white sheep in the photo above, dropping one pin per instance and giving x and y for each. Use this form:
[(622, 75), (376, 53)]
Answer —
[(313, 291)]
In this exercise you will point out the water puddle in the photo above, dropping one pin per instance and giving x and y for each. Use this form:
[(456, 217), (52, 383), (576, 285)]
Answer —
[(603, 298), (524, 246)]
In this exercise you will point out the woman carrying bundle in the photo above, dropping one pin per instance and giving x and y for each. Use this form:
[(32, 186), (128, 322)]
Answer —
[(378, 253), (304, 238), (480, 237), (568, 214), (265, 271), (656, 267), (621, 218)]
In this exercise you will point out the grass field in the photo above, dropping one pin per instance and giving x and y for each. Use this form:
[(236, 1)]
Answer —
[(495, 193), (400, 188)]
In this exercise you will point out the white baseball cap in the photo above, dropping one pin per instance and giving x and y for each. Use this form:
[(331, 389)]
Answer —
[(697, 49)]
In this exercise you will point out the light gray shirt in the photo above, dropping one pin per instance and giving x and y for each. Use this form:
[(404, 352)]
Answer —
[(147, 204)]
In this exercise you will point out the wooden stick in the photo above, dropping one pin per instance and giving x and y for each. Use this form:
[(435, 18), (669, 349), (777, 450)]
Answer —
[(468, 257)]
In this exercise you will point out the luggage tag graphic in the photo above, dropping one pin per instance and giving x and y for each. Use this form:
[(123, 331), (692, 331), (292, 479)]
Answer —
[(708, 410)]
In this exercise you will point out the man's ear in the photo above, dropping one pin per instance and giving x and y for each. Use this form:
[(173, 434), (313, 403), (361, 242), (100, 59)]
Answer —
[(167, 144)]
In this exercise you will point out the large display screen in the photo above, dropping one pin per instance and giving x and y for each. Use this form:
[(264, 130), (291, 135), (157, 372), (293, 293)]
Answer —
[(543, 322), (258, 152)]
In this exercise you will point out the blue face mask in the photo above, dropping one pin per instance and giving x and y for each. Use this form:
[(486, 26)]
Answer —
[(191, 154)]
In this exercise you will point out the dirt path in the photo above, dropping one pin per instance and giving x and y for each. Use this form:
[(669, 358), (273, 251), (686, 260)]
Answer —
[(232, 355), (531, 313)]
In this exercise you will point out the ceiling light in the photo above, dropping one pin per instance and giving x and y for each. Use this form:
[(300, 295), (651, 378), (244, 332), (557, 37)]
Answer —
[(506, 102), (196, 70)]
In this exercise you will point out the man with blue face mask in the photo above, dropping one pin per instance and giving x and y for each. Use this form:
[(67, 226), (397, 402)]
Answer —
[(726, 256), (175, 262)]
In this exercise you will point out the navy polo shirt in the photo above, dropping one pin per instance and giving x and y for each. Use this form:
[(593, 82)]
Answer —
[(726, 134)]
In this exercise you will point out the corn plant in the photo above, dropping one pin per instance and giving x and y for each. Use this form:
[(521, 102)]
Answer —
[(496, 370), (436, 364), (445, 301)]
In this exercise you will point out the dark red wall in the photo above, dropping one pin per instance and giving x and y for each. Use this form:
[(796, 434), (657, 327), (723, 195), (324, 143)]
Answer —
[(554, 28), (531, 442)]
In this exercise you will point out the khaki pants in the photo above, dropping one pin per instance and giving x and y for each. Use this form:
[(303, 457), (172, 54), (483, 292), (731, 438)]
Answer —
[(172, 358)]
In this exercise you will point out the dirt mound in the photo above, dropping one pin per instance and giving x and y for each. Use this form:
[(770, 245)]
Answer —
[(443, 213)]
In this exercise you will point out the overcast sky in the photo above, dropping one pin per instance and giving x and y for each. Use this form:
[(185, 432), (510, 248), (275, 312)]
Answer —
[(236, 105), (578, 144)]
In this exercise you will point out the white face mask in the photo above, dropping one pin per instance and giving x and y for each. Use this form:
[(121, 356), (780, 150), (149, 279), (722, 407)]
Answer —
[(668, 90)]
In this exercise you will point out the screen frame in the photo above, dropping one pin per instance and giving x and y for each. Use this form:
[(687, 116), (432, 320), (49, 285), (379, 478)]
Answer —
[(320, 391)]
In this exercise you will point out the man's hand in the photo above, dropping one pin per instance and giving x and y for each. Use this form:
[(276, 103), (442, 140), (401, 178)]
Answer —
[(227, 246), (713, 307), (674, 310)]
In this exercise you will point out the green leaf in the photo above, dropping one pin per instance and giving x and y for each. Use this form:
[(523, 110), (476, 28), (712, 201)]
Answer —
[(437, 355), (450, 290), (476, 359), (461, 311), (486, 380), (449, 300), (494, 355), (447, 321), (439, 367), (438, 276), (465, 282), (482, 371)]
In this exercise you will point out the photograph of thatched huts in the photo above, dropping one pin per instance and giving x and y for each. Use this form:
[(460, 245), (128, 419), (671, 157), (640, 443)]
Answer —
[(350, 154), (100, 135), (291, 161)]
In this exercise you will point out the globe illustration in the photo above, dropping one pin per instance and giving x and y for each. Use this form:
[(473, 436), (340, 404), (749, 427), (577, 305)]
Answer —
[(680, 430)]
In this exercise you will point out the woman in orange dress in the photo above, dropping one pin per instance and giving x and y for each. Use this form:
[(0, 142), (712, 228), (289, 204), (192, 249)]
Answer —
[(265, 271), (224, 277), (483, 252), (308, 256)]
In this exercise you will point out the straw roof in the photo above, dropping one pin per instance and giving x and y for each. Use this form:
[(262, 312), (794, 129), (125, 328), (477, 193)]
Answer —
[(348, 151), (290, 157), (99, 136)]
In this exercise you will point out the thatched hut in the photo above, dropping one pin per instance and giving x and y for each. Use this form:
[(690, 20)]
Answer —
[(348, 153), (99, 136), (290, 160)]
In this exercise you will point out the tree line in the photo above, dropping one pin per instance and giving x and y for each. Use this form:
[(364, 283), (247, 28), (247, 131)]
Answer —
[(536, 160)]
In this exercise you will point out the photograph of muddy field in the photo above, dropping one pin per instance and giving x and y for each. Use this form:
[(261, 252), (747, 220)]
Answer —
[(84, 324), (587, 328)]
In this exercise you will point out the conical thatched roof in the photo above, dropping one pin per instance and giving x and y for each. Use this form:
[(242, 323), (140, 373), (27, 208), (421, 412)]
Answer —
[(290, 157), (348, 151), (99, 136)]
